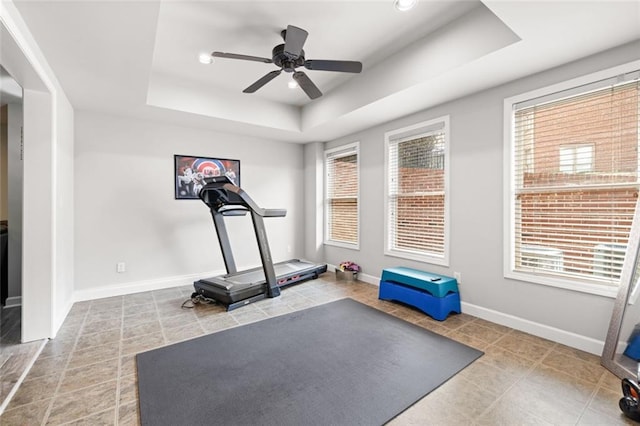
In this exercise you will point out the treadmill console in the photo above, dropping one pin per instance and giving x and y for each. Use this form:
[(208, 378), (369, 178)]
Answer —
[(219, 191), (217, 179)]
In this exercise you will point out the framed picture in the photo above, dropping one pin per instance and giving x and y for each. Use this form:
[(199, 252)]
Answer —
[(190, 172)]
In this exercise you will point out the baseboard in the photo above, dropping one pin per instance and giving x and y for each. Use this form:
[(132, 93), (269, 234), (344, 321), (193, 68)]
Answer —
[(59, 320), (140, 286), (567, 338), (13, 302), (369, 279)]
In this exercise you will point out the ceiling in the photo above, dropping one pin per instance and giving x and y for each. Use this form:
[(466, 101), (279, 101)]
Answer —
[(140, 58)]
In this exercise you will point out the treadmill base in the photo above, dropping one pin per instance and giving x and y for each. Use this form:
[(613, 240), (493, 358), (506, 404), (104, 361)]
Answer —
[(238, 295)]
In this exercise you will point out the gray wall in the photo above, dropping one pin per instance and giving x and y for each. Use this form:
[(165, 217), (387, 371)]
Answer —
[(476, 203), (313, 201), (14, 198), (125, 209), (4, 213)]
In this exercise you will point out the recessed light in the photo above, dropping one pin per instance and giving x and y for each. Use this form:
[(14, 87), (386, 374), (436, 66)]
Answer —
[(292, 84), (404, 5), (205, 58)]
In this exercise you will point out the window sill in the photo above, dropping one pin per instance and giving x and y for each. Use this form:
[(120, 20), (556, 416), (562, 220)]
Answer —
[(582, 287), (342, 244), (441, 261)]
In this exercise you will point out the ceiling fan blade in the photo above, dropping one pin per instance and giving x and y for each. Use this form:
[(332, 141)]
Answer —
[(307, 85), (339, 66), (243, 57), (294, 40), (262, 81)]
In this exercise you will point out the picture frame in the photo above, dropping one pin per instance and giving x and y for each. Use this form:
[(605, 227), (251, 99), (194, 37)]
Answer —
[(191, 170)]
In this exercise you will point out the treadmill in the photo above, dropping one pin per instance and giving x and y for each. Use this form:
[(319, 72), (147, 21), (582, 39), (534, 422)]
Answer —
[(239, 288)]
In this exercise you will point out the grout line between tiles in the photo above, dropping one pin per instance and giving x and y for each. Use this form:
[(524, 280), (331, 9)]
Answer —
[(517, 382), (66, 365), (75, 421), (164, 335), (16, 385), (119, 369), (597, 387)]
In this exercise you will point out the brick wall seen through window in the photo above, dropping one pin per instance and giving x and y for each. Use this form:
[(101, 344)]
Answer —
[(341, 200), (576, 183)]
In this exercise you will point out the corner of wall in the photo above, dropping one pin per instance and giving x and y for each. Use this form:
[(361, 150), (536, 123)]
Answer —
[(313, 201)]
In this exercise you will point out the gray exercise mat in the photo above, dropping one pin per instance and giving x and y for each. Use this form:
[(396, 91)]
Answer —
[(342, 363)]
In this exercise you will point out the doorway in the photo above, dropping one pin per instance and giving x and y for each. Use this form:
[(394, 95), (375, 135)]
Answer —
[(11, 171), (47, 261), (47, 119)]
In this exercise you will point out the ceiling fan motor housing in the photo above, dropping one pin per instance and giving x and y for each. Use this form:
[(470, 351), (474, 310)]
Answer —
[(285, 60)]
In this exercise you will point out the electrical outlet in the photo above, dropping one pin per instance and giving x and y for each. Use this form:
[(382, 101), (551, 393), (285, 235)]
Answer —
[(121, 267), (457, 276)]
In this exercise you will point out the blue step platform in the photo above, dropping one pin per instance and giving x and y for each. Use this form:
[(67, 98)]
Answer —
[(437, 285), (435, 295), (633, 348)]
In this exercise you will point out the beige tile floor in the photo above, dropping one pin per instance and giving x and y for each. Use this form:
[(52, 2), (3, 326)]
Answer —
[(87, 375)]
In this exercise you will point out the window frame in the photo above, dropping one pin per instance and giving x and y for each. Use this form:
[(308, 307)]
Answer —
[(578, 85), (413, 132), (348, 149)]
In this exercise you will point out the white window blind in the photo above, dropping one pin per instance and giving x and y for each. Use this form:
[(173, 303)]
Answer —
[(341, 195), (417, 192), (575, 181)]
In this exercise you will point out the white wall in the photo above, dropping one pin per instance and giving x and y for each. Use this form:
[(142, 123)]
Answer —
[(37, 213), (63, 219), (125, 209), (477, 214)]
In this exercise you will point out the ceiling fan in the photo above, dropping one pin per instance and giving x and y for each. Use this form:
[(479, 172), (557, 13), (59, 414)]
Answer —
[(288, 57)]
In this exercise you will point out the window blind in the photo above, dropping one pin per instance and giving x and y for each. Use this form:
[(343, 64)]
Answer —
[(576, 182), (341, 212), (416, 192)]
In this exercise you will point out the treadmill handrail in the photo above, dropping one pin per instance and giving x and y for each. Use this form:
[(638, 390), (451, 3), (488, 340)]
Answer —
[(274, 212), (233, 210), (229, 194)]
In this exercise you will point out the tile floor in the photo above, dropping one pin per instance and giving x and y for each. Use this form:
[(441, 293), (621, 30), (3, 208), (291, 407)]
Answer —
[(15, 357), (87, 375)]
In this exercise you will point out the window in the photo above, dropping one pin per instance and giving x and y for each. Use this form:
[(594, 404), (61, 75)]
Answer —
[(576, 158), (573, 181), (341, 196), (417, 192)]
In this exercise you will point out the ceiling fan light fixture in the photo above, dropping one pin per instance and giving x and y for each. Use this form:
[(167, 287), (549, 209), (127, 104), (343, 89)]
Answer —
[(290, 56), (205, 58), (404, 5)]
